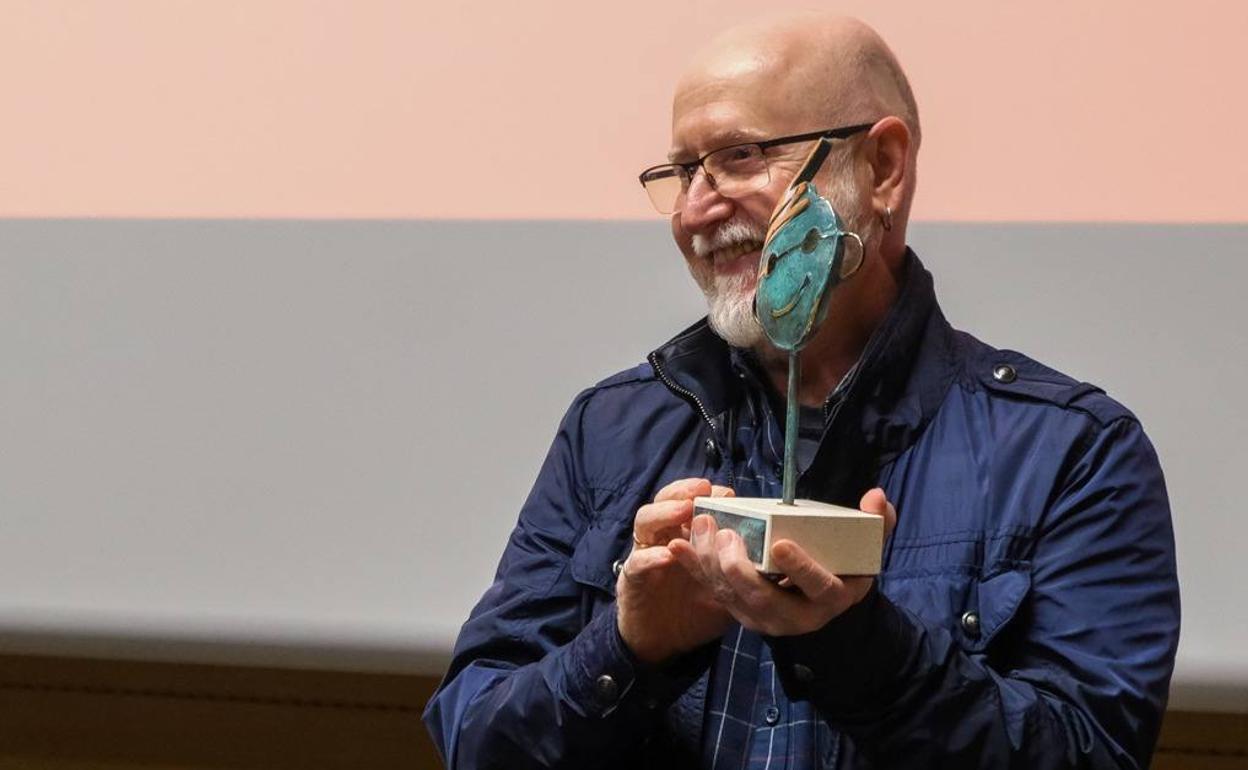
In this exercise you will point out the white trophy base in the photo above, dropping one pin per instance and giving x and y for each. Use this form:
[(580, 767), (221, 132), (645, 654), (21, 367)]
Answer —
[(844, 541)]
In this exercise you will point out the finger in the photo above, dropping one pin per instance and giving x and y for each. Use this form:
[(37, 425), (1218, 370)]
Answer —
[(803, 571), (718, 491), (703, 541), (643, 565), (875, 501), (702, 532), (684, 489), (685, 555), (755, 602), (657, 523), (752, 589)]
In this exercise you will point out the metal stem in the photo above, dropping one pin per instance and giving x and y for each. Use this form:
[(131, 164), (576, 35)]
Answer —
[(790, 431)]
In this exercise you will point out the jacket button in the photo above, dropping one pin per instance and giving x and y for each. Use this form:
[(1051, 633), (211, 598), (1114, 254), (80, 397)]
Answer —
[(713, 455), (606, 689), (803, 674), (617, 567), (771, 715), (970, 624), (1004, 373)]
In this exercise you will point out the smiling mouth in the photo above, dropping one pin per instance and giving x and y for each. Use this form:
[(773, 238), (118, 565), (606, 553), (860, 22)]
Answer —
[(797, 295), (731, 253)]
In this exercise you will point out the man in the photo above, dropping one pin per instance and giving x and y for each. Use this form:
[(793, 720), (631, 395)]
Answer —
[(1027, 613)]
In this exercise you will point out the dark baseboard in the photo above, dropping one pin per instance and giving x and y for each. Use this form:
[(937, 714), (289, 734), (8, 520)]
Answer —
[(71, 713), (76, 714)]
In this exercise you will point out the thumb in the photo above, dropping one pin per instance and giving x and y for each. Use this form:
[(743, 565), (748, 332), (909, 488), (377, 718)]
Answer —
[(875, 501)]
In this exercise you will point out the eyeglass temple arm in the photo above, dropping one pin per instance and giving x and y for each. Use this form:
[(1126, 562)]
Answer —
[(813, 161)]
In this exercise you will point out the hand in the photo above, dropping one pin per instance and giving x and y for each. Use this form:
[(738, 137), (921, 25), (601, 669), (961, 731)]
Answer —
[(718, 561), (663, 611)]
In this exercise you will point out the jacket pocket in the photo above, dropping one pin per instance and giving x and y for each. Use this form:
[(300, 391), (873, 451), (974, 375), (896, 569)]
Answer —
[(973, 606), (596, 556), (996, 600)]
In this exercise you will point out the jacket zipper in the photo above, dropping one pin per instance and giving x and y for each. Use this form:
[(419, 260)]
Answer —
[(684, 392), (688, 395)]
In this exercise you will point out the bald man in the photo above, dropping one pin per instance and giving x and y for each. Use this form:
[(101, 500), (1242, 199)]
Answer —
[(1027, 613)]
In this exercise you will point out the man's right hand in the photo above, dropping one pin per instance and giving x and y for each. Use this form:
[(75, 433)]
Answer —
[(663, 611)]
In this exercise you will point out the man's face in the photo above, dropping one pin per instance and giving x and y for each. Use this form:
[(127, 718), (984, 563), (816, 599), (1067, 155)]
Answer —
[(721, 237)]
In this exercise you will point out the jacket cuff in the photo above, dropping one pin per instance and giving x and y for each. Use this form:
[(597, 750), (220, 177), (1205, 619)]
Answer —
[(602, 674), (854, 664)]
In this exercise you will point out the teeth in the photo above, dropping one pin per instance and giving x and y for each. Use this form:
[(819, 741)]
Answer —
[(732, 252)]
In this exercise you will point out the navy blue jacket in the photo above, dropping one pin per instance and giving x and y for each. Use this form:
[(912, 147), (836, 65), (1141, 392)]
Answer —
[(1028, 610)]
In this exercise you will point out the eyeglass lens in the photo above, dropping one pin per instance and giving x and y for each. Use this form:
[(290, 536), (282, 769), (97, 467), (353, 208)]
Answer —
[(732, 170)]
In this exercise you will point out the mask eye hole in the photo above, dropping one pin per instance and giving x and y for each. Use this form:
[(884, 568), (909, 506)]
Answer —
[(771, 263), (811, 240)]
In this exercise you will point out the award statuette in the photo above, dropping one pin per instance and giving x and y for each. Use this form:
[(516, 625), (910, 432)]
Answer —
[(803, 259)]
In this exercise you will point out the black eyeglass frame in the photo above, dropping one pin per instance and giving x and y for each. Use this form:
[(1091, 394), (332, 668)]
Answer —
[(691, 168)]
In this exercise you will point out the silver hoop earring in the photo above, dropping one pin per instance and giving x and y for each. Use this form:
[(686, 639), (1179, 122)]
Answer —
[(887, 218)]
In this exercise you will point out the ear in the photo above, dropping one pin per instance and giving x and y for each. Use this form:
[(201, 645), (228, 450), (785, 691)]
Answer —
[(889, 156)]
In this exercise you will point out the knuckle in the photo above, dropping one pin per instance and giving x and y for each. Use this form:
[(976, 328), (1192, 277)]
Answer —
[(667, 491), (681, 488), (635, 565), (640, 574), (739, 570), (805, 573), (709, 567), (816, 586)]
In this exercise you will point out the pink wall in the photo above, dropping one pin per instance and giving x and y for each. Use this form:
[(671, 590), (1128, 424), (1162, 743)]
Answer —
[(1119, 110)]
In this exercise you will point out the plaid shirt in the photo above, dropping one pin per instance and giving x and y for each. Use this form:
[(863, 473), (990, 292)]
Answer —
[(750, 723)]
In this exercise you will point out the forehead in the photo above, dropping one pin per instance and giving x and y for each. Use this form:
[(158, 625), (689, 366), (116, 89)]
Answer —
[(714, 125), (715, 110)]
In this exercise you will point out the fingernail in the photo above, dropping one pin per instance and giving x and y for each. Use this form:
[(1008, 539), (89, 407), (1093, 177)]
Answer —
[(700, 526)]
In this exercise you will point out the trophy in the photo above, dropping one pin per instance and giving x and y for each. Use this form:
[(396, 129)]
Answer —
[(803, 259)]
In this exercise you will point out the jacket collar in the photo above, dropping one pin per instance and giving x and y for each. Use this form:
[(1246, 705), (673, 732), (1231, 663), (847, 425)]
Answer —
[(900, 381)]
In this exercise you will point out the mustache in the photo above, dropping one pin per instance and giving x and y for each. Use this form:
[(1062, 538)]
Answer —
[(732, 233)]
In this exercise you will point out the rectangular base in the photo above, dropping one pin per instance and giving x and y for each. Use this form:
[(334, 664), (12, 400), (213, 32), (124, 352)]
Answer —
[(843, 540)]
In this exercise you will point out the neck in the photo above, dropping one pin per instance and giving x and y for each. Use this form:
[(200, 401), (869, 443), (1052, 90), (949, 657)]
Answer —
[(858, 310)]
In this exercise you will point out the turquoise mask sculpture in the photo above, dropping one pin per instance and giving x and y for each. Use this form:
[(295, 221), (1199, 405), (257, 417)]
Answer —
[(804, 258)]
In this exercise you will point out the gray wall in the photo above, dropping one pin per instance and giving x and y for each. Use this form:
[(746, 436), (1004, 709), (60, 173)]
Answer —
[(305, 442)]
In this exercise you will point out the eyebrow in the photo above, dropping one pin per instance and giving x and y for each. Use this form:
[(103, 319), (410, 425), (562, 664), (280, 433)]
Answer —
[(723, 139)]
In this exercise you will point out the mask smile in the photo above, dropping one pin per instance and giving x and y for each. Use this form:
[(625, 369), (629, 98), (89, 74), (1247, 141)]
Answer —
[(792, 303)]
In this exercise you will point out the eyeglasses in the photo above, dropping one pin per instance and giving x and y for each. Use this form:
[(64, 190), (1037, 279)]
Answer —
[(732, 171)]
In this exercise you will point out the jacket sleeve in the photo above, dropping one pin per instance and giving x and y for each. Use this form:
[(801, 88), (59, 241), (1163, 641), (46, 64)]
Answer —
[(1082, 679), (538, 678)]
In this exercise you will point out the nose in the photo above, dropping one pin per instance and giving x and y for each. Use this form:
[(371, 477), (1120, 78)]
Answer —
[(704, 207)]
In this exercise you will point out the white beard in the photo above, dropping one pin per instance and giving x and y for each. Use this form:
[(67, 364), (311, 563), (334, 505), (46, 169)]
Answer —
[(731, 311), (729, 298)]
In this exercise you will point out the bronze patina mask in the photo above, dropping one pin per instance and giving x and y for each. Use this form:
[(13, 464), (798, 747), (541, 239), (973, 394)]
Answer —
[(803, 259)]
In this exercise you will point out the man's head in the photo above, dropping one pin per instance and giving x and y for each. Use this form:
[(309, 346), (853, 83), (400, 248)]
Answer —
[(795, 76)]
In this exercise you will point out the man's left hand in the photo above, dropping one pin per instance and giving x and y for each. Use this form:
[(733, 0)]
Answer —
[(717, 559)]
